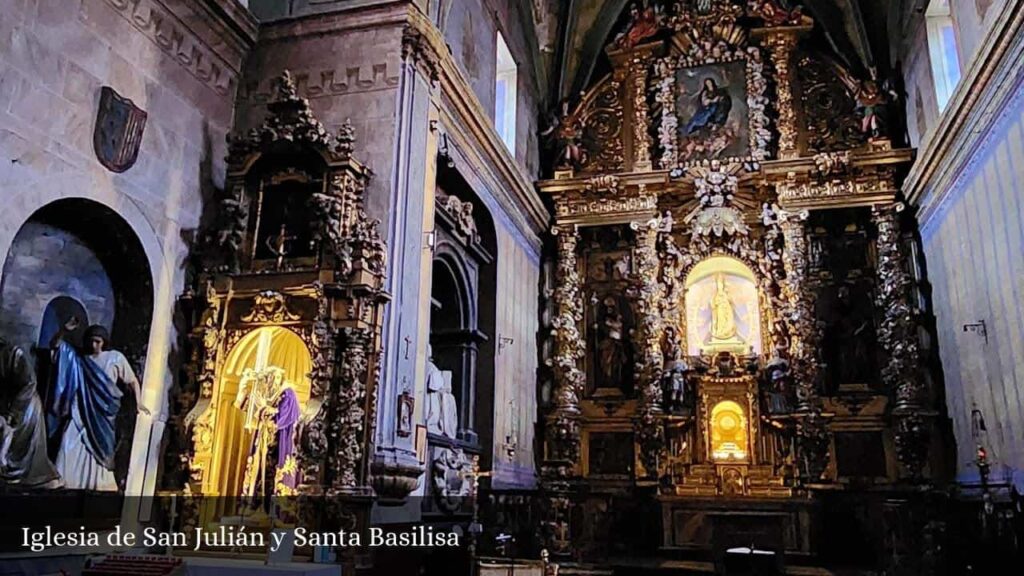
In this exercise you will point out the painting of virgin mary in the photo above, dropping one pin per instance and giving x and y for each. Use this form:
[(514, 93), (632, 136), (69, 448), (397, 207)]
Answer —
[(711, 105)]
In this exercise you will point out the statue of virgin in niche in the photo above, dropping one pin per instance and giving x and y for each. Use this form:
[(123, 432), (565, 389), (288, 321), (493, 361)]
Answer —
[(723, 314)]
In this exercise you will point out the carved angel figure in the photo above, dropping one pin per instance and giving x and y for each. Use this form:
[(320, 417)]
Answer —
[(872, 98), (567, 134), (645, 19)]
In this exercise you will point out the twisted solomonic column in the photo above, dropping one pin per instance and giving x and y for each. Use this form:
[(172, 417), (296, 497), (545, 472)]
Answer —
[(804, 340), (897, 335), (650, 294), (563, 431)]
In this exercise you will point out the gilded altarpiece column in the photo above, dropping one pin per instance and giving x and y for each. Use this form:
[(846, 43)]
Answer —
[(781, 43), (650, 294), (897, 334), (562, 428), (804, 339), (563, 436)]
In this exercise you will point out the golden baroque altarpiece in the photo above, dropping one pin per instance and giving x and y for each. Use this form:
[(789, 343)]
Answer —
[(686, 343), (288, 276)]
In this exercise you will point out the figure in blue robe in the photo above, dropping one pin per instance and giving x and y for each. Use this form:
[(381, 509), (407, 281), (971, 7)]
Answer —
[(713, 106), (84, 405)]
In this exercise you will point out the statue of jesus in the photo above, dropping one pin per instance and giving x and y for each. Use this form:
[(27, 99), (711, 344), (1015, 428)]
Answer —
[(271, 409)]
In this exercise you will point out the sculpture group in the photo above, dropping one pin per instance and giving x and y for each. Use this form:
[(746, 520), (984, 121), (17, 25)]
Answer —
[(78, 420)]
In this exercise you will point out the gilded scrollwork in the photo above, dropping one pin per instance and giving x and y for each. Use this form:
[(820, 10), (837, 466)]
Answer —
[(269, 306), (829, 112), (600, 117)]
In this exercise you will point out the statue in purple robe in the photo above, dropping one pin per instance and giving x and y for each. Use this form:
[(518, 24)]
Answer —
[(271, 414)]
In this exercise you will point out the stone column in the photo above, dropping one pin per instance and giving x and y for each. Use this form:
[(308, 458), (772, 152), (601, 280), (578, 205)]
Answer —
[(649, 332), (781, 43), (804, 339), (395, 466), (563, 433), (897, 335)]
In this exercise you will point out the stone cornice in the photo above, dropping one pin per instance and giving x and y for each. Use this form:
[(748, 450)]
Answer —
[(989, 83), (341, 19), (465, 111), (209, 38)]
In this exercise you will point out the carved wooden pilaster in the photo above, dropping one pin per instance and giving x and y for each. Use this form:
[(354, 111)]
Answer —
[(781, 44), (641, 123), (563, 433), (897, 334), (347, 424), (649, 334)]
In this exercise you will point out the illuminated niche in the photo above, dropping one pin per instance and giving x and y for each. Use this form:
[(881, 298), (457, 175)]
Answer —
[(269, 346), (722, 312), (728, 432)]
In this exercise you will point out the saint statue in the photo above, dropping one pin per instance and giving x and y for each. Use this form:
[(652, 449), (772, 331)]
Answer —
[(23, 459), (723, 316), (271, 412), (611, 348), (84, 404), (442, 408)]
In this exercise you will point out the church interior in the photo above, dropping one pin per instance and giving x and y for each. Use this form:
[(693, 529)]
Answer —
[(591, 287)]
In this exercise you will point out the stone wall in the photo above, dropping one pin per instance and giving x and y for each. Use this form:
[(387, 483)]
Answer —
[(966, 183), (179, 61), (972, 21)]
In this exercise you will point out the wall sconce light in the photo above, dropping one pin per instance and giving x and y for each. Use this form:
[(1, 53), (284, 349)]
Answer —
[(430, 240), (978, 328), (512, 438)]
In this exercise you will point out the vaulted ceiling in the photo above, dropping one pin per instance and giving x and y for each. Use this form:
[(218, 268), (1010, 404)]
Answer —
[(573, 34)]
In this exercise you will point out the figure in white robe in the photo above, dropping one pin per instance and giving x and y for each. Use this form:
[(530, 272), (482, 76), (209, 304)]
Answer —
[(442, 409)]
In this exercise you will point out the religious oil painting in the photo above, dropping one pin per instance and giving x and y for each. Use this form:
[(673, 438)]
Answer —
[(722, 309), (711, 111), (609, 314)]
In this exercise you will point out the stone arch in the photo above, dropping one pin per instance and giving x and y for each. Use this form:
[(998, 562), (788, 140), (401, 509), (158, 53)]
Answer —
[(82, 250), (463, 314)]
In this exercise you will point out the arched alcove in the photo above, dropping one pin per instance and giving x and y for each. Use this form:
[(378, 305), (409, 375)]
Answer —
[(269, 346), (463, 296), (722, 308), (729, 434), (77, 257)]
